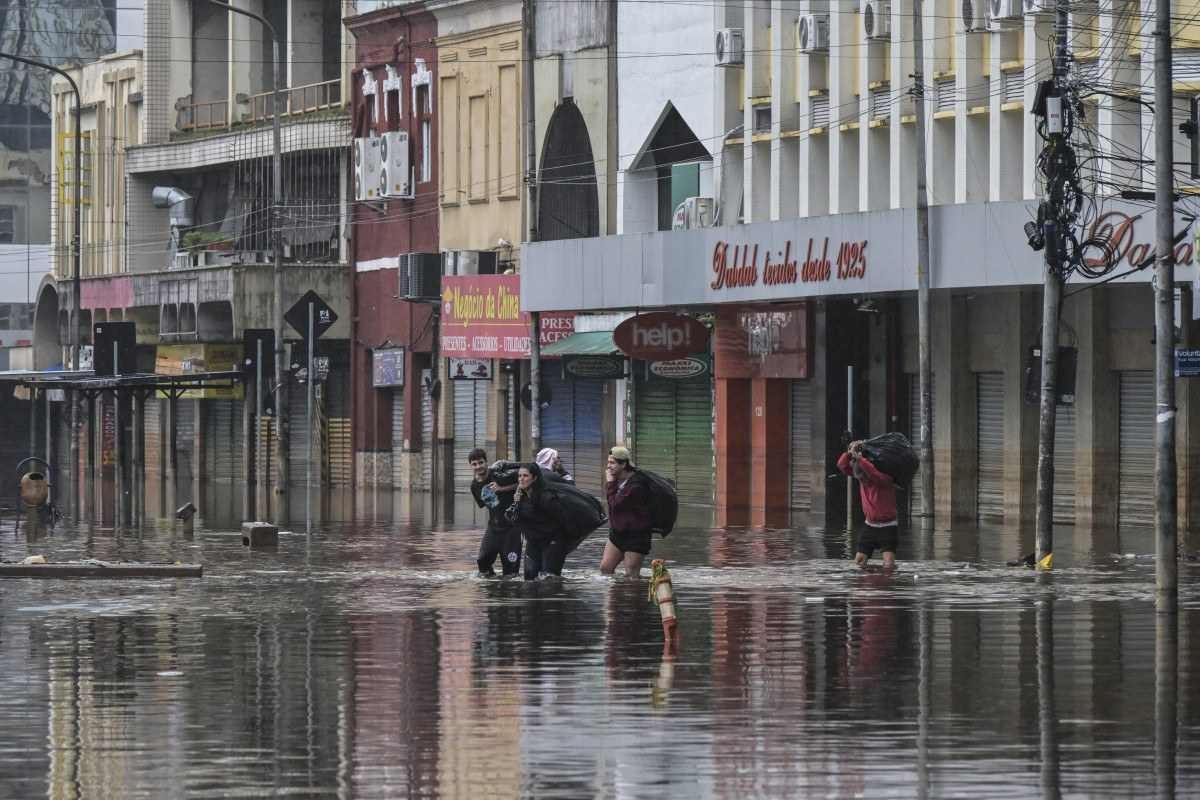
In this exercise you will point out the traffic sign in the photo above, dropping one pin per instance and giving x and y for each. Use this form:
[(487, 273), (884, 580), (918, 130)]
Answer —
[(323, 316)]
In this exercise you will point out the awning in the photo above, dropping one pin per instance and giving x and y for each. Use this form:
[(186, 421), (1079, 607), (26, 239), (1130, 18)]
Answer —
[(592, 343)]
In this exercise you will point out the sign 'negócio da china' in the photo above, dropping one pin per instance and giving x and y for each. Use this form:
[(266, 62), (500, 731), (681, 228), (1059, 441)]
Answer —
[(737, 266), (661, 336)]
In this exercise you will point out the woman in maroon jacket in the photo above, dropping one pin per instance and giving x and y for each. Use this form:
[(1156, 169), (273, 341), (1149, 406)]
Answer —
[(628, 515), (878, 493)]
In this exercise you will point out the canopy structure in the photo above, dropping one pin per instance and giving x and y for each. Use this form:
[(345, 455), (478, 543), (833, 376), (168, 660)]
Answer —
[(592, 343)]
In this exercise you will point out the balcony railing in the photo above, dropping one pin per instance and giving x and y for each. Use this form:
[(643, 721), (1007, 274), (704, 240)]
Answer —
[(297, 100)]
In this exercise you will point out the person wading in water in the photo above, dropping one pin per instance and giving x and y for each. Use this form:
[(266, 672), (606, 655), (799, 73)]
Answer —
[(878, 492)]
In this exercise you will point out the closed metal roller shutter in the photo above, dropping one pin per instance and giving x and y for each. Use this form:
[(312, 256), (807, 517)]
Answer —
[(185, 439), (802, 409), (297, 441), (397, 434), (674, 435), (1064, 465), (588, 462), (427, 443), (1136, 494), (265, 458), (470, 427), (223, 450), (914, 436), (558, 419), (990, 449), (510, 418), (152, 424), (335, 408)]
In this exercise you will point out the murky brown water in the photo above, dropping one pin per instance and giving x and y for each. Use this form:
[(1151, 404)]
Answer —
[(368, 661)]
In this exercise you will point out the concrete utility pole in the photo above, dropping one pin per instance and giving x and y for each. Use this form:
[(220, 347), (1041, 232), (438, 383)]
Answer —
[(279, 509), (1165, 489), (925, 364), (1051, 298), (76, 266), (529, 12)]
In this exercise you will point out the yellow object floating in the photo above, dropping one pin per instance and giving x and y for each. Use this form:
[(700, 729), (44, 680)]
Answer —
[(1047, 562)]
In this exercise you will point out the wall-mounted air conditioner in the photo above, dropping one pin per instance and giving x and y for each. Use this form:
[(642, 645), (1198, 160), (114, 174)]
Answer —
[(729, 47), (1005, 11), (877, 19), (812, 33), (395, 173), (973, 15), (367, 166), (694, 212), (421, 277)]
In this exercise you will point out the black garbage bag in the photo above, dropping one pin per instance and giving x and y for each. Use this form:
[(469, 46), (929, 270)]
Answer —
[(892, 454), (504, 472), (664, 502), (576, 511)]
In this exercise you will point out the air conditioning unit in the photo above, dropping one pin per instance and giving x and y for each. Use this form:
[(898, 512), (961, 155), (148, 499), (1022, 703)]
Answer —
[(1005, 11), (974, 15), (729, 47), (395, 175), (694, 212), (877, 19), (1038, 6), (421, 277), (367, 166), (812, 33)]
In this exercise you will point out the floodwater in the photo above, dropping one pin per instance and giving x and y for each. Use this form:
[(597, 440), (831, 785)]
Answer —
[(368, 661)]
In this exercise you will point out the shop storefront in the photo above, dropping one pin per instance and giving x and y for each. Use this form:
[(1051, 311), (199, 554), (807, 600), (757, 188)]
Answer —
[(673, 424)]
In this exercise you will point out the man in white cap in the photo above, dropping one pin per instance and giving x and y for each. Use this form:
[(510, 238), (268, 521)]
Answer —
[(628, 515), (547, 458)]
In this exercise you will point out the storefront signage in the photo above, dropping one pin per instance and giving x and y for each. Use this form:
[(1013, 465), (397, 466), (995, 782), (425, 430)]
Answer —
[(678, 369), (661, 336), (765, 342), (1116, 228), (189, 359), (470, 369), (736, 266), (1187, 363), (482, 318), (593, 367), (387, 367)]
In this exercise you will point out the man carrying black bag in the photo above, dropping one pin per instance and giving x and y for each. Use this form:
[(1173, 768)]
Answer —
[(629, 507), (493, 489), (554, 517)]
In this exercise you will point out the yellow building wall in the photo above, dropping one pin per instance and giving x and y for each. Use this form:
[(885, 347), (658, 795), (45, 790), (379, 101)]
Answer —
[(479, 138)]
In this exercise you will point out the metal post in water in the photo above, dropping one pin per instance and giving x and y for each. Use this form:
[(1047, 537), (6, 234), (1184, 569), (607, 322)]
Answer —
[(1166, 703), (1047, 714), (118, 451), (33, 420), (850, 431), (138, 498), (73, 470), (90, 490), (172, 494), (49, 458), (262, 482), (535, 384), (924, 359), (308, 396)]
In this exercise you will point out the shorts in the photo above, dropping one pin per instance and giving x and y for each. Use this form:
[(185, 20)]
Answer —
[(882, 539), (631, 541)]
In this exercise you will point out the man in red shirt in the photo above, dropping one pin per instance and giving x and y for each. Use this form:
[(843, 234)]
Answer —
[(878, 493)]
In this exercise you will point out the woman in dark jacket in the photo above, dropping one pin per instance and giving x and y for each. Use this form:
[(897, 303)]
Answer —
[(537, 512)]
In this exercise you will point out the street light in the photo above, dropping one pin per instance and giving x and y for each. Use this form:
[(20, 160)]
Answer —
[(77, 259), (277, 245)]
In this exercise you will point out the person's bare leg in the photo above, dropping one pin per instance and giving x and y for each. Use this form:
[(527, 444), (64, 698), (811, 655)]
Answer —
[(889, 560), (610, 559), (860, 559), (633, 564)]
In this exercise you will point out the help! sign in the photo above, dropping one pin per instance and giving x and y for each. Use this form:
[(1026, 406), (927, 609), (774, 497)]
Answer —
[(661, 336)]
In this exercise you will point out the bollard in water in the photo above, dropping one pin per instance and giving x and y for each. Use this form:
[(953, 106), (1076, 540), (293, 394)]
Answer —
[(186, 514), (35, 490), (663, 594), (259, 534)]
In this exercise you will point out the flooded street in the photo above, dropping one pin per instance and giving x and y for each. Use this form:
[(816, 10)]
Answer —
[(369, 661)]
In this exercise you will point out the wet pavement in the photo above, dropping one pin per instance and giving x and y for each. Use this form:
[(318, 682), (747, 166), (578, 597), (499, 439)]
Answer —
[(368, 661)]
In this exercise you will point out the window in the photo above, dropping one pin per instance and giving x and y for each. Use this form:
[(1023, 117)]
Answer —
[(8, 224), (426, 150)]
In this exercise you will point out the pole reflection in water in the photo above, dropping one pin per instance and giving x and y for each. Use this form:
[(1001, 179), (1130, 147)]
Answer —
[(924, 679), (1047, 713), (1166, 703)]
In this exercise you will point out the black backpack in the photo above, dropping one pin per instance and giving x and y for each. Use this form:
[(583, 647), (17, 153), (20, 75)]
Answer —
[(664, 502), (575, 510), (892, 455)]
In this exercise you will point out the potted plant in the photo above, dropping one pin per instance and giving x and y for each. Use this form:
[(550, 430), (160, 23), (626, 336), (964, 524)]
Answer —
[(195, 241)]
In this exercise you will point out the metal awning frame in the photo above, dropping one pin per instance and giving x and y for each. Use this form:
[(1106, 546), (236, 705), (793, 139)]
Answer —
[(146, 384)]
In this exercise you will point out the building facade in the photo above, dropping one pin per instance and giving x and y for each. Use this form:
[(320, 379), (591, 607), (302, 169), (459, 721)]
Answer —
[(801, 252)]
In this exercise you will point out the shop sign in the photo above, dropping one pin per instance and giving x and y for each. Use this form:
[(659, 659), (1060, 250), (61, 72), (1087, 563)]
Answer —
[(661, 336), (189, 359), (387, 367), (763, 342), (593, 367), (470, 369), (482, 318), (1187, 363), (1113, 233), (678, 369), (737, 266)]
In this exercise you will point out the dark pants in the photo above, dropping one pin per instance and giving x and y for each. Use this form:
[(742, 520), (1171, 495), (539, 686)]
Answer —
[(503, 542), (547, 556)]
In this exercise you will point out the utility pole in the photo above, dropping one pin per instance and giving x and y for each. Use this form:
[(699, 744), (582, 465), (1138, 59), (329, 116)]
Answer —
[(1051, 298), (1166, 571), (529, 12), (76, 265), (279, 510), (925, 365)]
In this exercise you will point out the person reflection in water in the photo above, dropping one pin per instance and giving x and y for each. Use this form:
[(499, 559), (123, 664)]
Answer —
[(878, 491)]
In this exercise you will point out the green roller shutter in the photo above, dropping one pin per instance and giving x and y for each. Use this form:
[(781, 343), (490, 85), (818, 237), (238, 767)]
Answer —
[(674, 435)]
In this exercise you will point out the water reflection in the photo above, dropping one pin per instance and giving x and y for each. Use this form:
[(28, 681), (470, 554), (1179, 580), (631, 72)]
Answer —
[(369, 661)]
